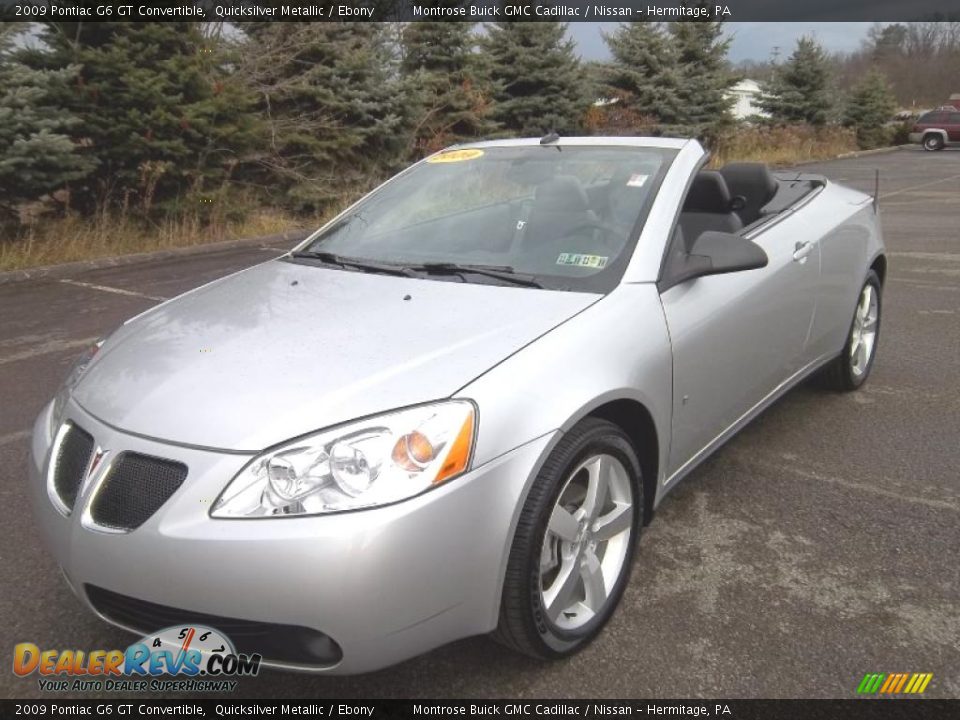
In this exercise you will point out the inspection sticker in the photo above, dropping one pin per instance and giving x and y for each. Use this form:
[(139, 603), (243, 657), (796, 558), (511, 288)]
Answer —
[(455, 156), (637, 180), (591, 261)]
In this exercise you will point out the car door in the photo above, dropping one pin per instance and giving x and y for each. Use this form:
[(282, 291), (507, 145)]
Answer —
[(953, 128), (736, 337)]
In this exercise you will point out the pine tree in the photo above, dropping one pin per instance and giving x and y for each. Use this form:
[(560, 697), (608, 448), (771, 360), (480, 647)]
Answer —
[(159, 112), (338, 113), (536, 78), (887, 41), (643, 76), (452, 103), (704, 78), (37, 155), (799, 91), (869, 109)]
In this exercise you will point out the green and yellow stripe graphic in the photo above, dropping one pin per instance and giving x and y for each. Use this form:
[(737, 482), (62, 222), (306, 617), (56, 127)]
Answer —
[(894, 683)]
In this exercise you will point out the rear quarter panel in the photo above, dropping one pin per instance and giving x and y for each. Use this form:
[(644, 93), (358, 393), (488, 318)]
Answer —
[(851, 240)]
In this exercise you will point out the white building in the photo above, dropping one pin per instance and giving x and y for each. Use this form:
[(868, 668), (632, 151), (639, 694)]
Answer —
[(745, 94)]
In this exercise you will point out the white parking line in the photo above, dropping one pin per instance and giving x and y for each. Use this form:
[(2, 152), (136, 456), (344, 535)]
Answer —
[(917, 187), (925, 285), (13, 437), (773, 464), (108, 289), (926, 255), (50, 346)]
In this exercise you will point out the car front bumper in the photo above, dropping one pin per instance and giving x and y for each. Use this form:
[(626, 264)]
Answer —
[(915, 137), (385, 584)]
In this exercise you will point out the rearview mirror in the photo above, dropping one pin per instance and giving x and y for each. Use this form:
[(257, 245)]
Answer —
[(714, 253)]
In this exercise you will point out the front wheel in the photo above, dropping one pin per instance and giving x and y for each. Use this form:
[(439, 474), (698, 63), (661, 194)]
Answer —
[(850, 369), (933, 142), (574, 544)]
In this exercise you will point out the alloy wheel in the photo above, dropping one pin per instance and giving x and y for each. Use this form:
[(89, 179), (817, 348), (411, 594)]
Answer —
[(864, 333), (586, 542)]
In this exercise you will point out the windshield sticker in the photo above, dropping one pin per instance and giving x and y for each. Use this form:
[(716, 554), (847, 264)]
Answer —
[(455, 156), (591, 261), (637, 180)]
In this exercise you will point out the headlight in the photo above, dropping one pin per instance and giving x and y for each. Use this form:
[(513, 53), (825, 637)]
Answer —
[(371, 462), (79, 367)]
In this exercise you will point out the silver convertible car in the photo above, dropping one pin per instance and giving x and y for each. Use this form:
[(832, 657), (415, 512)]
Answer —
[(452, 409)]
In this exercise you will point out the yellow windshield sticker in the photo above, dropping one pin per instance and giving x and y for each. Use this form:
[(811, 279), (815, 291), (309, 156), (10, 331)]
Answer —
[(580, 260), (455, 156)]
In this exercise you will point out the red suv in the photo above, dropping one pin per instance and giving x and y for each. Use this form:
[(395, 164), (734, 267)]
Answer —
[(937, 129)]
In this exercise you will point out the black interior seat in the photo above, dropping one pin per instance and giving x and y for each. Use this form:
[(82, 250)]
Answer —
[(623, 200), (560, 206), (754, 183), (708, 206)]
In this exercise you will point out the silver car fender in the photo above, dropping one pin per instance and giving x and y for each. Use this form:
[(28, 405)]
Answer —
[(616, 349)]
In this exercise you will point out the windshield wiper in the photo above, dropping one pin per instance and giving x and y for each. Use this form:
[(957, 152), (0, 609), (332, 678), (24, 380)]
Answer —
[(354, 263), (500, 272)]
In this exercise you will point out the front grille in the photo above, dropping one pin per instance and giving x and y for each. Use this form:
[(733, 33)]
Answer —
[(134, 489), (71, 462), (291, 644)]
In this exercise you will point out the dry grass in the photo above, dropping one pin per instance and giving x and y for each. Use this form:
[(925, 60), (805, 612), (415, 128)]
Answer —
[(47, 241), (783, 145)]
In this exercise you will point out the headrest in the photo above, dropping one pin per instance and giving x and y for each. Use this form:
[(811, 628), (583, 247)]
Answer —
[(754, 181), (623, 199), (708, 194), (620, 182), (562, 193)]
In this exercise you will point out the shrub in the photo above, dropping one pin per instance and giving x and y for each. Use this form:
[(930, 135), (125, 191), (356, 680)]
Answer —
[(782, 144)]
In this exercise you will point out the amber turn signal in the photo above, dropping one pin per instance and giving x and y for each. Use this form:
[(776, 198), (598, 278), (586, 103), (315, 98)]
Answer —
[(459, 455)]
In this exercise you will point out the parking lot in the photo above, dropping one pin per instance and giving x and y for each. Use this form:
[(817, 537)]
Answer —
[(820, 544)]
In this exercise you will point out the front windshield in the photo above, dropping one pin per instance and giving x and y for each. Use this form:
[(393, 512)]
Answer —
[(568, 217)]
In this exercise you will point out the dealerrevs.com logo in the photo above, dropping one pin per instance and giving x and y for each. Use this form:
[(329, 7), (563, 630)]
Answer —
[(197, 658)]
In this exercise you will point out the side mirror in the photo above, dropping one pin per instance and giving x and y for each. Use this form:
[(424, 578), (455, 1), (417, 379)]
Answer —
[(715, 253)]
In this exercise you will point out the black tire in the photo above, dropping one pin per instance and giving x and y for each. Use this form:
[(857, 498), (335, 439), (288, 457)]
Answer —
[(524, 625), (933, 142), (838, 375)]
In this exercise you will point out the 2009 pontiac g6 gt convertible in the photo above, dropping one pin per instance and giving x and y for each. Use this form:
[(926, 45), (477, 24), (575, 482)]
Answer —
[(452, 409)]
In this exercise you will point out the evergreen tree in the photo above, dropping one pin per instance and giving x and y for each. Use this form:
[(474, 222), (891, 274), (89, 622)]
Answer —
[(704, 78), (799, 91), (536, 78), (451, 102), (37, 155), (869, 109), (337, 111), (643, 76), (156, 109), (887, 41)]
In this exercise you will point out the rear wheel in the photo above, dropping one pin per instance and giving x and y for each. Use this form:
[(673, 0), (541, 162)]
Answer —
[(574, 543), (932, 142), (851, 368)]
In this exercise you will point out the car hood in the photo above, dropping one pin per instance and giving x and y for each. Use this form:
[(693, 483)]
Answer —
[(284, 348)]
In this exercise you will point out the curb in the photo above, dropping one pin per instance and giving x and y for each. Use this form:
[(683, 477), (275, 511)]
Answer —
[(66, 269), (875, 151), (851, 155)]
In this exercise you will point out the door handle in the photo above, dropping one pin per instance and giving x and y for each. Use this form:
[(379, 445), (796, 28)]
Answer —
[(801, 250)]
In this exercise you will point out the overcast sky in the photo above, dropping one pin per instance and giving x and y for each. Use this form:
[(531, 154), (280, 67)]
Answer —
[(751, 41)]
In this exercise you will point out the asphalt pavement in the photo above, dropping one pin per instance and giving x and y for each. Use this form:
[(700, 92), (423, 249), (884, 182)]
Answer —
[(820, 544)]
